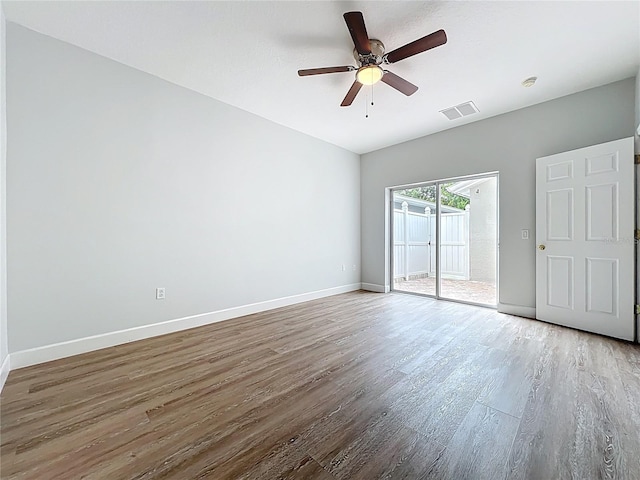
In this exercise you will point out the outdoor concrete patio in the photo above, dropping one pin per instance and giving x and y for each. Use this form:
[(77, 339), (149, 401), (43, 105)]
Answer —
[(463, 290)]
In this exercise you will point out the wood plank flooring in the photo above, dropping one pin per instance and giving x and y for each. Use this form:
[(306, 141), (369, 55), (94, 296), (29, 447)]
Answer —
[(355, 386)]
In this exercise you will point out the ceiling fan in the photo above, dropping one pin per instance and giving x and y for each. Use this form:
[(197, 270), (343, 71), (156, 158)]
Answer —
[(370, 54)]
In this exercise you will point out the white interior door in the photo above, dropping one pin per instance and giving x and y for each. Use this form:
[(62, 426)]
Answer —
[(585, 239)]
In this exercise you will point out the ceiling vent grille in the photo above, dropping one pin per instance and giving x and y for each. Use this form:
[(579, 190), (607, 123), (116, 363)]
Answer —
[(459, 111)]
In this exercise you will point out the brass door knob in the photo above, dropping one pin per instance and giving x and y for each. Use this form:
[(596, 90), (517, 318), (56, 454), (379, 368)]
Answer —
[(541, 247)]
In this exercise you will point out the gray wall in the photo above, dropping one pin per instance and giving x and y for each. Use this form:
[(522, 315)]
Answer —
[(4, 345), (120, 182), (508, 143)]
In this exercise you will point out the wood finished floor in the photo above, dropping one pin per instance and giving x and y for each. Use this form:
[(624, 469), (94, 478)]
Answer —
[(356, 386)]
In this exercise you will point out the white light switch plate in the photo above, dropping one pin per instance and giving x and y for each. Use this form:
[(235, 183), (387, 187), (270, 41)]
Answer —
[(525, 234)]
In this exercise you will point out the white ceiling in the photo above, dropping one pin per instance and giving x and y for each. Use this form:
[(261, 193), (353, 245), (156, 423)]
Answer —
[(247, 54)]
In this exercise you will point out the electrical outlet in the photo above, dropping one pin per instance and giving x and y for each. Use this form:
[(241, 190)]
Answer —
[(525, 234), (354, 268), (344, 268), (160, 293)]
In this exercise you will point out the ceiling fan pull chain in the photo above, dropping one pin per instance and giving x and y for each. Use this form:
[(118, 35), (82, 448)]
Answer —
[(372, 95), (366, 107)]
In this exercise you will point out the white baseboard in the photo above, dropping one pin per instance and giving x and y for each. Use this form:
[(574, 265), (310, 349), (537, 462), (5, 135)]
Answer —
[(33, 356), (373, 287), (518, 310), (4, 370)]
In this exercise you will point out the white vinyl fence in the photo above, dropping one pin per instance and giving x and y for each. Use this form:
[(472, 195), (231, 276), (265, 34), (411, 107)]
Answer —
[(414, 244)]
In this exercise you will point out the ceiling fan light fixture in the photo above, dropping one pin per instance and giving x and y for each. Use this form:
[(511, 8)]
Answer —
[(369, 74)]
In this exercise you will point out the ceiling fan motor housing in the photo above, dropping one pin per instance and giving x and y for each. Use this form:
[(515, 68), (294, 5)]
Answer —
[(375, 57)]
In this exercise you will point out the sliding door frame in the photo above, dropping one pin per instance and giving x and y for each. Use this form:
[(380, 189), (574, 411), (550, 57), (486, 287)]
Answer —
[(437, 184)]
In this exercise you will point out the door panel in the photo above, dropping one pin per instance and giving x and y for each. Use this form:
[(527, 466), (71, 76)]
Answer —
[(584, 231), (414, 238), (469, 240), (602, 212), (560, 214), (602, 164), (560, 282), (559, 171), (602, 285)]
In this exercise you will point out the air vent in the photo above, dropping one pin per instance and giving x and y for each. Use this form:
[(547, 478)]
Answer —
[(451, 113), (462, 110)]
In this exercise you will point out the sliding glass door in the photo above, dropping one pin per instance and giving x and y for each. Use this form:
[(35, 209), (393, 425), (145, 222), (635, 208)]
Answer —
[(445, 239), (414, 239)]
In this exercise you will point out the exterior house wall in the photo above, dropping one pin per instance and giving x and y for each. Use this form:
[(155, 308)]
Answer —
[(483, 223)]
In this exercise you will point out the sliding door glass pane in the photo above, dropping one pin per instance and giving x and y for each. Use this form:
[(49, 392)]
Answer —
[(414, 240), (469, 240)]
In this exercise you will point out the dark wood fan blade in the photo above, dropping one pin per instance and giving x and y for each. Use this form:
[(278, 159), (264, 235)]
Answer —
[(421, 45), (319, 71), (399, 83), (351, 94), (355, 24)]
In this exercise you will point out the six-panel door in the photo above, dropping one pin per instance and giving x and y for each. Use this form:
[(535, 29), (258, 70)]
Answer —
[(585, 242)]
